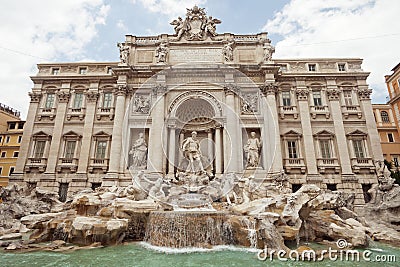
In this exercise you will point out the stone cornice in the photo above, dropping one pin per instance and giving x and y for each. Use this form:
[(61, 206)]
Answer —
[(302, 93), (63, 97), (35, 97), (364, 92), (333, 93)]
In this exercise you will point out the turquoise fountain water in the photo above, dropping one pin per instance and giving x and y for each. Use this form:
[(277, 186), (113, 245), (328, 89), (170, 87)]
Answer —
[(139, 254)]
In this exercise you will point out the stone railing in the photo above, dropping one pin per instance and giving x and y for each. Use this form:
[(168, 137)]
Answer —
[(362, 163), (351, 110), (316, 110), (98, 163), (105, 112), (47, 112), (76, 112), (36, 163), (294, 164), (325, 164), (67, 163), (288, 110)]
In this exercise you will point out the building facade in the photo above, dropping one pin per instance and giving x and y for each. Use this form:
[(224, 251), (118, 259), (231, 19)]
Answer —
[(92, 124), (393, 85), (388, 133)]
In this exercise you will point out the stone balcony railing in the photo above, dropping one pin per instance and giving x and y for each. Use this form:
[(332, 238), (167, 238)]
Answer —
[(319, 110), (47, 112), (76, 112), (288, 111), (328, 165), (67, 163), (98, 163), (36, 163), (351, 110), (105, 112), (365, 164), (294, 164)]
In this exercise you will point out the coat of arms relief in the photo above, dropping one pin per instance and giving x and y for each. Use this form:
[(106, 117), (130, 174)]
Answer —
[(196, 26)]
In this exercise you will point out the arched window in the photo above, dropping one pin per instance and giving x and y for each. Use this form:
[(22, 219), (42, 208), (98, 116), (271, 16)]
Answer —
[(385, 116)]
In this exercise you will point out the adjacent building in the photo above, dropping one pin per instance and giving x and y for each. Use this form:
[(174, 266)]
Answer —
[(393, 85), (11, 128), (313, 117), (388, 132)]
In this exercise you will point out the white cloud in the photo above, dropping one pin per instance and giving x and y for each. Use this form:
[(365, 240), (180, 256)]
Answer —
[(350, 28), (171, 8), (38, 31), (121, 25)]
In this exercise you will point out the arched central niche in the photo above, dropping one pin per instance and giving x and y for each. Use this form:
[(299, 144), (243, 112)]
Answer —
[(195, 110)]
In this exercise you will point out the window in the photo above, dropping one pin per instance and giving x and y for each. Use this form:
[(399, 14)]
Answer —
[(385, 117), (70, 149), (390, 137), (395, 160), (11, 125), (7, 139), (325, 146), (39, 149), (19, 139), (348, 99), (21, 125), (286, 98), (109, 70), (358, 148), (1, 170), (317, 98), (332, 187), (3, 154), (101, 149), (312, 67), (78, 99), (107, 100), (292, 149), (15, 154), (11, 170), (283, 68), (49, 101), (342, 67), (82, 70), (55, 71)]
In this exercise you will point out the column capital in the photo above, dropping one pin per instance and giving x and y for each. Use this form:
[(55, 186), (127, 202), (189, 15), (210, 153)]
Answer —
[(121, 90), (35, 97), (231, 89), (269, 89), (63, 97), (364, 92), (159, 89), (333, 92), (302, 93), (92, 96)]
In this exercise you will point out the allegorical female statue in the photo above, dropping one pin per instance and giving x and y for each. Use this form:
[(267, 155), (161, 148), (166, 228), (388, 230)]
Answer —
[(252, 149), (191, 150), (139, 152)]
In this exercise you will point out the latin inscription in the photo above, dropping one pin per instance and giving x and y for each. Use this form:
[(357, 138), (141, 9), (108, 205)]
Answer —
[(193, 55)]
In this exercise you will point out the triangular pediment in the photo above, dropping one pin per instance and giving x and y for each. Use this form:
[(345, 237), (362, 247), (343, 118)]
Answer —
[(72, 134), (324, 133), (356, 133), (41, 134), (102, 134), (292, 133)]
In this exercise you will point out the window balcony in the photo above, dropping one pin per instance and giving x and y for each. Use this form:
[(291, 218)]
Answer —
[(105, 112), (67, 163), (294, 165), (362, 164), (76, 112), (351, 110), (98, 163), (319, 110), (46, 112), (36, 163), (326, 165), (285, 111)]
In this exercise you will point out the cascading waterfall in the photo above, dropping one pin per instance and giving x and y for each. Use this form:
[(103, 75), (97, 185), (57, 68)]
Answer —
[(251, 231), (180, 229)]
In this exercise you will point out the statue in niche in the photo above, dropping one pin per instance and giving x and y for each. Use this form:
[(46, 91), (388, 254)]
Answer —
[(252, 150), (161, 53), (227, 51), (180, 28), (268, 51), (139, 152), (141, 104), (123, 52), (191, 151)]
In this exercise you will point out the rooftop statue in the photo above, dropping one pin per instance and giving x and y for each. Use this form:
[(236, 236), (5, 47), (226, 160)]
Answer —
[(196, 25)]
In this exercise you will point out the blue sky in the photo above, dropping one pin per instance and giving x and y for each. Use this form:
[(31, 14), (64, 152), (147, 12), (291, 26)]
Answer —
[(88, 30)]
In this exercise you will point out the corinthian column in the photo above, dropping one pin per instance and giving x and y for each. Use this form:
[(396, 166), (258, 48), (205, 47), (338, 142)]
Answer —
[(155, 162), (272, 153), (302, 93), (232, 148), (17, 176), (63, 98), (116, 141)]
